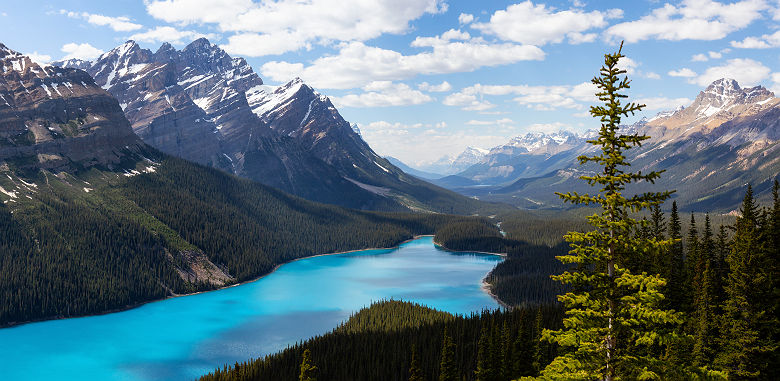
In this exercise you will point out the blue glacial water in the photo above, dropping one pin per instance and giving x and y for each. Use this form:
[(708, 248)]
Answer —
[(183, 338)]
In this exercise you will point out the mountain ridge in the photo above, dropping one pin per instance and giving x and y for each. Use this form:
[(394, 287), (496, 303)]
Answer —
[(726, 138), (203, 105)]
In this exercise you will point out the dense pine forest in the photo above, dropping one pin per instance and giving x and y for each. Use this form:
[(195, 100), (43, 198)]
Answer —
[(722, 279), (96, 240), (638, 297), (381, 341)]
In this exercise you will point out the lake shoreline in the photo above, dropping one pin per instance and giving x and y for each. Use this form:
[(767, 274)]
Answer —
[(484, 285), (167, 297)]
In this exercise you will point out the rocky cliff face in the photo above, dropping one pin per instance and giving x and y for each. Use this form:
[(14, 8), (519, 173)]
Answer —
[(58, 118), (203, 105), (192, 104)]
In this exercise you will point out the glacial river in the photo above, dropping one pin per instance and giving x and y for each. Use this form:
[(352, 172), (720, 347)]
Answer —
[(183, 338)]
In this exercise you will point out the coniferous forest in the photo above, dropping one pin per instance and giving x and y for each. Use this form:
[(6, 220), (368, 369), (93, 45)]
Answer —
[(65, 252), (639, 297)]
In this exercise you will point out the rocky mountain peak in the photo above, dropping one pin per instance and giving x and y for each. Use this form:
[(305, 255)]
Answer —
[(721, 101), (726, 93), (534, 141), (4, 51), (126, 49), (54, 116), (165, 53), (724, 88), (201, 44), (205, 56)]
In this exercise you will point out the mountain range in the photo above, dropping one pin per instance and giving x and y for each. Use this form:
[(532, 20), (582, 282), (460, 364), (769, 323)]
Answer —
[(709, 150), (202, 105), (93, 219)]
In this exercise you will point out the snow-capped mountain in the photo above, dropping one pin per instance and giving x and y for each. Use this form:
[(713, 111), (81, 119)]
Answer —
[(532, 154), (722, 101), (452, 164), (469, 156), (57, 118), (203, 105), (728, 137)]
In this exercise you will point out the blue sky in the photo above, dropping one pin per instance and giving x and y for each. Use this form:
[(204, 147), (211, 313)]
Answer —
[(427, 78)]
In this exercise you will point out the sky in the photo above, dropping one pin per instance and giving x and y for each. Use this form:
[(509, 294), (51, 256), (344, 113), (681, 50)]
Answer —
[(425, 79)]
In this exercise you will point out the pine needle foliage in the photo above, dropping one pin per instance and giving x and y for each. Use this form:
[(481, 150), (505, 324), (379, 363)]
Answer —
[(613, 318)]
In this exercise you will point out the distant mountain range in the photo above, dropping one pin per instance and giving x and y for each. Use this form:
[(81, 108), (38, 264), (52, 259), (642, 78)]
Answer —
[(200, 104), (710, 150)]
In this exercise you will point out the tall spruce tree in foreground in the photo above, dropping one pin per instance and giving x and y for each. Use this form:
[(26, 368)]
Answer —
[(614, 321)]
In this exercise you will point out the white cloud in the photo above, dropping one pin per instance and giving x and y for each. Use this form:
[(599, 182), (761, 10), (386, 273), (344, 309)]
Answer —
[(543, 98), (357, 64), (303, 22), (383, 94), (420, 143), (465, 18), (256, 45), (170, 34), (710, 55), (538, 24), (662, 103), (118, 24), (503, 122), (744, 70), (776, 86), (629, 65), (83, 51), (763, 42), (632, 69), (440, 88), (468, 102), (693, 19), (39, 58), (684, 72)]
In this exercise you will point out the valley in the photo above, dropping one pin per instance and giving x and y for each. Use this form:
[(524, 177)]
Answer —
[(421, 190), (183, 338)]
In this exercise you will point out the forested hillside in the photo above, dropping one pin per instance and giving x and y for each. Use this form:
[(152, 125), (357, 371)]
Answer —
[(395, 340), (98, 240)]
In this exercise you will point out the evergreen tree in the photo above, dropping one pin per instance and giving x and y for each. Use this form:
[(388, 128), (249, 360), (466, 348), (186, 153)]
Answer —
[(748, 342), (484, 371), (415, 373), (610, 325), (657, 229), (308, 370), (675, 262), (705, 329), (722, 250), (691, 264), (540, 345), (523, 351), (448, 368), (507, 352)]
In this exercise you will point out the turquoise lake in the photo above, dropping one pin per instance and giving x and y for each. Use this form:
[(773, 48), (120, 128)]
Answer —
[(183, 338)]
